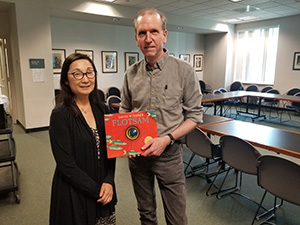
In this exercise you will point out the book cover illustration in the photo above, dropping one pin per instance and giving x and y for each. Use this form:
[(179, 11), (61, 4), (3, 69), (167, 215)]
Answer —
[(126, 133)]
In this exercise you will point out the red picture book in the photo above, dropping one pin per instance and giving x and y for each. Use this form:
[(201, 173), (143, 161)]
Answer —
[(126, 133)]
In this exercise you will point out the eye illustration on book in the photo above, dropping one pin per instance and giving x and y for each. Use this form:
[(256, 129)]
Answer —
[(132, 133)]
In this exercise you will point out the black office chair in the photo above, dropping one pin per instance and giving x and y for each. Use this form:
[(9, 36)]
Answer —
[(113, 99), (242, 157), (236, 86), (252, 88), (101, 95), (271, 103), (252, 101), (56, 94), (229, 102), (291, 106), (205, 88), (217, 103), (293, 91), (223, 90), (265, 89), (113, 91), (294, 106), (281, 178)]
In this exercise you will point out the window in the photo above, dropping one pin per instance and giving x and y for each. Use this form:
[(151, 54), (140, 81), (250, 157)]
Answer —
[(255, 56)]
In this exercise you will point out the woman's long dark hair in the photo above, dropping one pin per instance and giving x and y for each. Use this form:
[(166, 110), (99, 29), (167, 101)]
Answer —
[(66, 96)]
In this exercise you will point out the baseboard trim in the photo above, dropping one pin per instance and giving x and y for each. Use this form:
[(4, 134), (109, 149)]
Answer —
[(32, 129)]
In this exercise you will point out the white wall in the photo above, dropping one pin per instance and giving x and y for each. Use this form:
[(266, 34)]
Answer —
[(34, 41), (73, 34)]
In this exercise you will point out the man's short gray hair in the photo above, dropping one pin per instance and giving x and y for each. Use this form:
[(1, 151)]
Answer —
[(151, 11)]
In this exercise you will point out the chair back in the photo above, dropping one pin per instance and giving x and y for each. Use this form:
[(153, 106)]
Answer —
[(113, 91), (265, 89), (270, 100), (205, 89), (113, 99), (56, 92), (223, 90), (202, 85), (239, 154), (279, 176), (296, 104), (236, 86), (198, 142), (252, 88), (293, 91), (217, 91), (101, 95)]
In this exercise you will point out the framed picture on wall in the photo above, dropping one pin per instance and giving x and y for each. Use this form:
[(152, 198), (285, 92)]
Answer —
[(109, 61), (198, 62), (131, 58), (296, 64), (185, 57), (89, 53), (58, 58)]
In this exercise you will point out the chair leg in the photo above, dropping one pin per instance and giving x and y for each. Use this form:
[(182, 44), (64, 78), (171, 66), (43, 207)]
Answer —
[(188, 165), (223, 192), (222, 169), (266, 212)]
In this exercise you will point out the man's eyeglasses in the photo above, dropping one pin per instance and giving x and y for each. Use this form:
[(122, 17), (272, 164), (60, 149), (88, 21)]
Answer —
[(79, 75)]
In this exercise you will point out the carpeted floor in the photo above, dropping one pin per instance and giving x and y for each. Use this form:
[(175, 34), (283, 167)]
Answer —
[(36, 165)]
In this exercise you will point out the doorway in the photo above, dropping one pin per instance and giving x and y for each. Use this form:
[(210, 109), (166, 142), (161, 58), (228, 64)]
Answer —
[(5, 84)]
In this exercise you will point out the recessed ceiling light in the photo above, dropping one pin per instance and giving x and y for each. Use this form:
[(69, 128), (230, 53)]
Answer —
[(235, 0), (110, 1), (231, 21)]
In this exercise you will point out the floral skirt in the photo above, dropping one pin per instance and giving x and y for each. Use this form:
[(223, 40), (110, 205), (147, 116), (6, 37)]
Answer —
[(109, 220)]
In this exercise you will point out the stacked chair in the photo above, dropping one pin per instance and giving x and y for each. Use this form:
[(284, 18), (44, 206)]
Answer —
[(9, 173)]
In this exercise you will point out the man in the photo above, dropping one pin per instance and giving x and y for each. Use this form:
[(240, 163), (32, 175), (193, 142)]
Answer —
[(170, 87)]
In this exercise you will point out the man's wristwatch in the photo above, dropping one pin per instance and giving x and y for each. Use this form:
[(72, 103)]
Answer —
[(172, 138)]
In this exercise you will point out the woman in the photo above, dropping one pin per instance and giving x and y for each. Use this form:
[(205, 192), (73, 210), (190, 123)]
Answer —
[(83, 190)]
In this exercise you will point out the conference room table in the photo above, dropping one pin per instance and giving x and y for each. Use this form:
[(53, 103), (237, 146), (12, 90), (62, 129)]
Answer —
[(270, 138), (221, 97)]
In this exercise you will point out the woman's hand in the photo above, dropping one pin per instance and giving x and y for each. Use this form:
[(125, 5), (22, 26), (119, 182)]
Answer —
[(106, 193)]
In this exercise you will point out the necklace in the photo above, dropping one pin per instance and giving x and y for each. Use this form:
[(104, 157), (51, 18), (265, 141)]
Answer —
[(81, 109), (85, 112)]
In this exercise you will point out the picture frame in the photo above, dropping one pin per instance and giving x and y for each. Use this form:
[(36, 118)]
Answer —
[(131, 58), (58, 58), (109, 61), (89, 53), (185, 57), (198, 62), (296, 63)]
